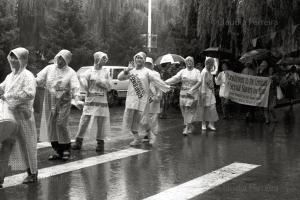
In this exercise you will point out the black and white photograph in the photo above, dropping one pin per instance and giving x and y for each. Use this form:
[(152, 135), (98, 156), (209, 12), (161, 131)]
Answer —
[(149, 99)]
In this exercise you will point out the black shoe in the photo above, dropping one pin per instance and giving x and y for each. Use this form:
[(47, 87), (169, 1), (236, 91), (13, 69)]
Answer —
[(78, 144), (55, 157), (32, 178), (100, 146), (66, 155)]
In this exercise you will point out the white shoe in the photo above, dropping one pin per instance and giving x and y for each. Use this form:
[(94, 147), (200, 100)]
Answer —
[(152, 138), (203, 127), (135, 142), (185, 131), (211, 127)]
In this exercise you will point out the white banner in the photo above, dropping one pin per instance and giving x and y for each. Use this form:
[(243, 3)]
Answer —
[(246, 89)]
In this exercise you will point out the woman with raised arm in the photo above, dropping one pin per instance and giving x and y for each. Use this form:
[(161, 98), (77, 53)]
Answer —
[(137, 100)]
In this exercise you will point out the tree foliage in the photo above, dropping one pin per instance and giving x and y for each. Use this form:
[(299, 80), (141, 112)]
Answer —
[(8, 37), (67, 30), (125, 40)]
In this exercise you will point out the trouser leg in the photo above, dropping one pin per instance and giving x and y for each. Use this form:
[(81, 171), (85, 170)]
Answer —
[(83, 125), (5, 152)]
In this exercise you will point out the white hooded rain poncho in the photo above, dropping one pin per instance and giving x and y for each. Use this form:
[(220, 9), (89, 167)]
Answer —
[(19, 90), (96, 83), (60, 84), (137, 100), (188, 78)]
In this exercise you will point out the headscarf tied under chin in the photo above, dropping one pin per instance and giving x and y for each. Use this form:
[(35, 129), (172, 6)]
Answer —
[(65, 54), (98, 56), (22, 55), (189, 59), (141, 54)]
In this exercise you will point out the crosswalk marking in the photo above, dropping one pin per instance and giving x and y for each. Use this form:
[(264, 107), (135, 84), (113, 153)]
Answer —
[(204, 183), (76, 165)]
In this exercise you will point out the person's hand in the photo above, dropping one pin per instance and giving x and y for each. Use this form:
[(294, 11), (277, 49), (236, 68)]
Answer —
[(130, 67)]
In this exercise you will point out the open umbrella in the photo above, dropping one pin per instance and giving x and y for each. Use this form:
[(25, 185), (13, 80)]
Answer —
[(257, 54), (217, 52), (289, 61), (169, 58)]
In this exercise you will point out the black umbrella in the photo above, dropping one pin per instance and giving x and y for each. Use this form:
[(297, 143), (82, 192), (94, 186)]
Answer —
[(217, 52)]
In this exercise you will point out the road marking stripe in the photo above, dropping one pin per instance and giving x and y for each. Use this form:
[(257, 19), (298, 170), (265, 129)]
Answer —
[(204, 183), (76, 165)]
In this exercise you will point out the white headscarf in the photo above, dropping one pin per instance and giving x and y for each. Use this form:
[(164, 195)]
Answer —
[(65, 54), (189, 59), (98, 56), (150, 61), (22, 55), (141, 54)]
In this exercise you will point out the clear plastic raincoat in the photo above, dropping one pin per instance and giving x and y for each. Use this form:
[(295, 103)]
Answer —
[(137, 100), (96, 82), (188, 103), (60, 84), (19, 89)]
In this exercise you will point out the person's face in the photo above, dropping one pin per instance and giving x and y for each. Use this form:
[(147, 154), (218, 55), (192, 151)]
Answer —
[(139, 61), (209, 67), (15, 64), (149, 65), (189, 63), (61, 62), (224, 67), (103, 61)]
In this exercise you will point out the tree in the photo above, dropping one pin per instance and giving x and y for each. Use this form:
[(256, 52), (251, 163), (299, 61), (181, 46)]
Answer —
[(67, 30), (9, 35), (125, 40)]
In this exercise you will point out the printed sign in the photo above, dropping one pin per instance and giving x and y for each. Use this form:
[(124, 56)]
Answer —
[(246, 89)]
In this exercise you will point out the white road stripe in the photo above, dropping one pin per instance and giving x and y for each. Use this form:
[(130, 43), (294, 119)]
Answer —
[(76, 165), (204, 183)]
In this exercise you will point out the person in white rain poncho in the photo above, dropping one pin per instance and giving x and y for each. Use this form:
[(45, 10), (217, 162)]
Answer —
[(151, 127), (61, 84), (189, 77), (206, 111), (137, 100), (18, 145), (97, 82)]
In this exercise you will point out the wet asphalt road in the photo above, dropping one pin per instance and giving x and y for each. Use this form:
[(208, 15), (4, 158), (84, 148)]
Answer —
[(176, 159)]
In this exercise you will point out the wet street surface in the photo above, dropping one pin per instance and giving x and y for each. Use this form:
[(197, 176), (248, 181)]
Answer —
[(241, 160)]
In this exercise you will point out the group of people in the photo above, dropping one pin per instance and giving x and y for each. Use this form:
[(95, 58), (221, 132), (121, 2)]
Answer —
[(281, 85), (61, 84)]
